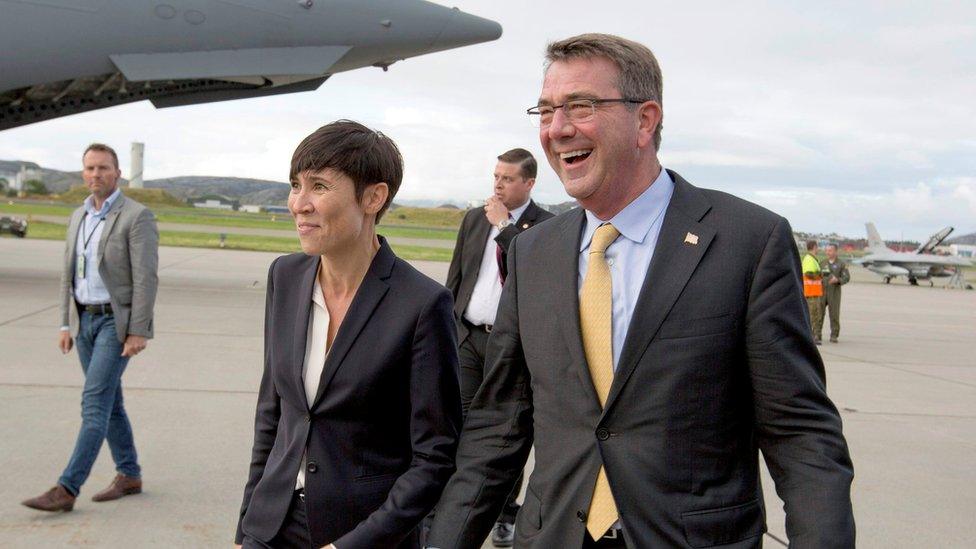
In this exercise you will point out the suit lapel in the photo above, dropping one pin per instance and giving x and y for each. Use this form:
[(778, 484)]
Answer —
[(110, 219), (371, 291), (302, 319), (565, 303), (479, 235), (528, 216), (73, 227), (672, 265)]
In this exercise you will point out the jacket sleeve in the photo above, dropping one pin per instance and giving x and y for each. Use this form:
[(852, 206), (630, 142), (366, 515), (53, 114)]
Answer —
[(798, 427), (65, 297), (497, 435), (144, 259), (267, 414), (845, 274), (435, 420)]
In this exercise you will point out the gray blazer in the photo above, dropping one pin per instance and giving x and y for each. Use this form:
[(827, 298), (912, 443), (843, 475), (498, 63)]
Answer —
[(719, 363), (127, 259)]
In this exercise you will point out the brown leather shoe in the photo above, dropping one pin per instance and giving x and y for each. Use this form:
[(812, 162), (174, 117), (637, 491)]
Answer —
[(121, 486), (55, 499)]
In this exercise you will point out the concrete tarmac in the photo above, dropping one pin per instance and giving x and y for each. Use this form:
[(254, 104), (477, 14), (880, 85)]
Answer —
[(903, 376)]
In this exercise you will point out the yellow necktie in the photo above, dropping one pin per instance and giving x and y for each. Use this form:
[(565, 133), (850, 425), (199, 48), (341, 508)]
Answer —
[(596, 324)]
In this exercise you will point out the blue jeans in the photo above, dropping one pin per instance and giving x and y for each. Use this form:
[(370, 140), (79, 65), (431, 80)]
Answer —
[(102, 414)]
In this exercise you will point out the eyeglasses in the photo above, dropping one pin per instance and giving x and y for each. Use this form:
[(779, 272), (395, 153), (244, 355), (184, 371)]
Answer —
[(577, 110)]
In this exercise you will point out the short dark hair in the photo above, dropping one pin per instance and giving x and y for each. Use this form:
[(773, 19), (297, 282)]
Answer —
[(831, 245), (811, 244), (101, 147), (364, 155), (526, 162), (640, 74)]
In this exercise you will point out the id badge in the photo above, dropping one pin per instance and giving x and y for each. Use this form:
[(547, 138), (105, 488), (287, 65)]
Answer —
[(80, 267)]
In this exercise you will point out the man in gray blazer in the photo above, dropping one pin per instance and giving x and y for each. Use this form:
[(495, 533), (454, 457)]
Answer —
[(649, 344), (108, 288)]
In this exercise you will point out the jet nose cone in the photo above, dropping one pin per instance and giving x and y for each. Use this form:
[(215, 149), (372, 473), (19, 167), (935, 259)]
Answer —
[(463, 29)]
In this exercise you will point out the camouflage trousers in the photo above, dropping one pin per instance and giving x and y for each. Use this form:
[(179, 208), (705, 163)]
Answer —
[(816, 315)]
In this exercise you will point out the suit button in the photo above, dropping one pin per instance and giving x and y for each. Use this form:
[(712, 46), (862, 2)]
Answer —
[(312, 467), (581, 515), (602, 434)]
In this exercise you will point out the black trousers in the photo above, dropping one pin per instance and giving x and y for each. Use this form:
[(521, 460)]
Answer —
[(294, 533), (471, 353)]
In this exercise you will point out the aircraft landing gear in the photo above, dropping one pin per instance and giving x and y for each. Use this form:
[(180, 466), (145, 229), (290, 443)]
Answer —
[(887, 280), (913, 281)]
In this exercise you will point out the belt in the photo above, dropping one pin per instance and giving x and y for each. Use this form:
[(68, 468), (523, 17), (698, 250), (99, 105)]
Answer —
[(485, 327), (97, 309)]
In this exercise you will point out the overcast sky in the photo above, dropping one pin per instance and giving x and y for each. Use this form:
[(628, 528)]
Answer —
[(829, 113)]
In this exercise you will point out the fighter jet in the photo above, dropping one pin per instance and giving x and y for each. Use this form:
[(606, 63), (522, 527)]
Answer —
[(62, 57), (917, 265)]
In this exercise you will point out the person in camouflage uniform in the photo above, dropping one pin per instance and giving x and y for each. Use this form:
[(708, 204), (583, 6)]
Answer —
[(835, 275)]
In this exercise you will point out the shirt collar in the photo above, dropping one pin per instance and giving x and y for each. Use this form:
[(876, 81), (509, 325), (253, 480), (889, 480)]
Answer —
[(636, 219), (317, 296), (106, 206), (517, 212)]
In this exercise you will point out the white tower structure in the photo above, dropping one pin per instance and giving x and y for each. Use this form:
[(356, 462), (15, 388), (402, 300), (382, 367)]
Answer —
[(135, 174)]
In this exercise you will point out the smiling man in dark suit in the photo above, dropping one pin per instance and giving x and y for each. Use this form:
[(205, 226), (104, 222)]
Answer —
[(649, 344), (358, 410), (475, 278)]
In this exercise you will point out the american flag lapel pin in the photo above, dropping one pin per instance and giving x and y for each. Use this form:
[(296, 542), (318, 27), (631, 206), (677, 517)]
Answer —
[(691, 239)]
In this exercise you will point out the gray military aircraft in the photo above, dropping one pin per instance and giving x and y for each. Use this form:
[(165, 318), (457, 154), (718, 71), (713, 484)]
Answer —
[(917, 265), (62, 57)]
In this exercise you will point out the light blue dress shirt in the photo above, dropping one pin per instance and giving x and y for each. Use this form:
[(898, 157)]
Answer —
[(630, 254), (91, 290)]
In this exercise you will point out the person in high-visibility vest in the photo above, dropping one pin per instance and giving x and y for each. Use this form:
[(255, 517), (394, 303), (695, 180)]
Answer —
[(812, 286)]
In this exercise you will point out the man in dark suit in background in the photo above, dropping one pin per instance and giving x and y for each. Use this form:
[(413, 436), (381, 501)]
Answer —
[(649, 344), (358, 410), (476, 275)]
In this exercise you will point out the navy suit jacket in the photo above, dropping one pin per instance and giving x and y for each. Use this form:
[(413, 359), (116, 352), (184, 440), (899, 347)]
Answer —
[(382, 431), (718, 364)]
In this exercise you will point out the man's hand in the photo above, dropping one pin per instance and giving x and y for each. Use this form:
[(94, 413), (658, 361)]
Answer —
[(834, 280), (133, 345), (495, 211), (64, 341)]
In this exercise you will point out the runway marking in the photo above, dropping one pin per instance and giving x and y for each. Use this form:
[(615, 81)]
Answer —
[(905, 370), (22, 317), (908, 414)]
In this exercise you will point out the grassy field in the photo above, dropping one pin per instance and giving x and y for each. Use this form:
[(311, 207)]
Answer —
[(55, 231), (443, 222)]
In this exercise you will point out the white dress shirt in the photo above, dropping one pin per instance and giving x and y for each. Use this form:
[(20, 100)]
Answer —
[(488, 288), (629, 257), (315, 353), (91, 290)]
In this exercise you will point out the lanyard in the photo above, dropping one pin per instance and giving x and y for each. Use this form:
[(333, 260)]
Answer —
[(90, 234)]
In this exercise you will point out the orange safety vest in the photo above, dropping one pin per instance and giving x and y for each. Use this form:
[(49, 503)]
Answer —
[(812, 280)]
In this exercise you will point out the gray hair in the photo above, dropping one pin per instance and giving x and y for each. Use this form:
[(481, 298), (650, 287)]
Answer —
[(640, 75)]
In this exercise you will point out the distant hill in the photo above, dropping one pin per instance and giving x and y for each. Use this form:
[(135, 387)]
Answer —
[(965, 239), (245, 190)]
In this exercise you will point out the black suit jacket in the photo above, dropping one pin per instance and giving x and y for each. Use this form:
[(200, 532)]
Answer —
[(718, 364), (382, 431), (470, 248)]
